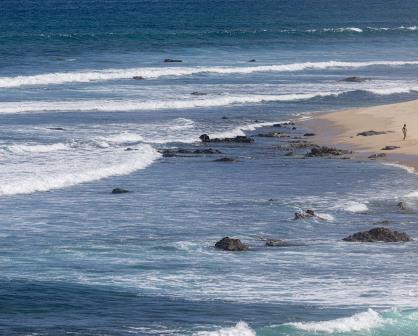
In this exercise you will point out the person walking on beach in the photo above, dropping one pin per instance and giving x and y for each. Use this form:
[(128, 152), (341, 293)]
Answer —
[(404, 130)]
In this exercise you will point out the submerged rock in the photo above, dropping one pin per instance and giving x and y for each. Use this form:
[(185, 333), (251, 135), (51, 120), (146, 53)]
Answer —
[(183, 151), (119, 191), (138, 78), (355, 79), (230, 244), (56, 128), (275, 242), (378, 234), (170, 60), (304, 214), (371, 133), (376, 156), (309, 134), (326, 151), (273, 135), (197, 93), (390, 147), (237, 139), (225, 159), (401, 206), (252, 61)]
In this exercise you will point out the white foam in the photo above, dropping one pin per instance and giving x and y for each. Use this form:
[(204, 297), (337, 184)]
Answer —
[(358, 322), (152, 73), (134, 105), (35, 148), (50, 171), (240, 329), (410, 170), (240, 130), (353, 206), (325, 216)]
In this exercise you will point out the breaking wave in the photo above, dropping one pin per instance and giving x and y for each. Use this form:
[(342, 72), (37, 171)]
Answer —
[(152, 73)]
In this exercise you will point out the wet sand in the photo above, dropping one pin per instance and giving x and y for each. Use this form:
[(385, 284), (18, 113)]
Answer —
[(341, 129)]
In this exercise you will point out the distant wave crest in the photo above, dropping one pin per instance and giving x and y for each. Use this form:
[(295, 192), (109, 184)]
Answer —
[(152, 73)]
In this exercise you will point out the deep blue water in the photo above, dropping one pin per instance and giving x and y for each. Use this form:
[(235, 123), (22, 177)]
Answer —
[(77, 260)]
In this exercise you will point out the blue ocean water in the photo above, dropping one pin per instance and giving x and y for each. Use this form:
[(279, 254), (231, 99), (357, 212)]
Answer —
[(77, 260)]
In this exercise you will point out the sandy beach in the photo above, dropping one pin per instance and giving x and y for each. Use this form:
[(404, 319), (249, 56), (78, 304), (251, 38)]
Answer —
[(342, 128)]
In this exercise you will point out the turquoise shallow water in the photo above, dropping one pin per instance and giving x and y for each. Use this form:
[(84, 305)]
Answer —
[(77, 260)]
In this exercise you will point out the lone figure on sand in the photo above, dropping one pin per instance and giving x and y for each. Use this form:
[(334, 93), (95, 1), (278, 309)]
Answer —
[(404, 130)]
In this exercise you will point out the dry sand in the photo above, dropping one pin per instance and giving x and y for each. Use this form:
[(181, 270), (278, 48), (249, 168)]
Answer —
[(341, 128)]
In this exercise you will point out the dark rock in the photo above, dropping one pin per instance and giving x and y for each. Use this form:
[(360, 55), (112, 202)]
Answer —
[(390, 147), (204, 138), (309, 134), (293, 128), (275, 242), (304, 214), (301, 144), (138, 78), (130, 149), (273, 135), (170, 60), (197, 93), (376, 156), (183, 151), (207, 151), (252, 61), (225, 118), (225, 159), (230, 244), (56, 128), (326, 151), (289, 153), (378, 234), (355, 79), (277, 125), (370, 133), (401, 206), (237, 139), (119, 191), (382, 222)]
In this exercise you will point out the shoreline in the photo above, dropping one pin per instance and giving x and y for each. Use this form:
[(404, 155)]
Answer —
[(342, 128)]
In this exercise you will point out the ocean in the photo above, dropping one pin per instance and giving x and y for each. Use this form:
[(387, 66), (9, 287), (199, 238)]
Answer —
[(78, 260)]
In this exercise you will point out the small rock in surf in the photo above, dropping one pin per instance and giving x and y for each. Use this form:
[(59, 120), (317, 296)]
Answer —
[(170, 60), (378, 234), (119, 191), (390, 147), (231, 244)]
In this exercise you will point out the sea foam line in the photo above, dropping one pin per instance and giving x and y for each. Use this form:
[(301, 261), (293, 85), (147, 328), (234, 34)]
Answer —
[(361, 321), (152, 73), (133, 105)]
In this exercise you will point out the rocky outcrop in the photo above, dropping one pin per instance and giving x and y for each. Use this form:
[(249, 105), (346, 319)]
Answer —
[(237, 139), (309, 134), (390, 147), (119, 191), (371, 133), (170, 60), (231, 244), (326, 151), (378, 234)]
